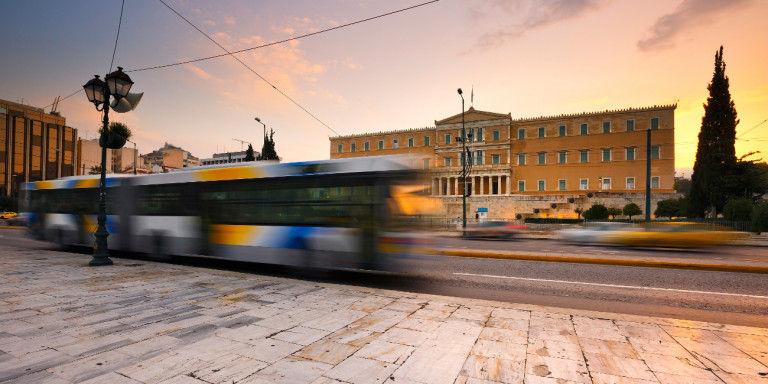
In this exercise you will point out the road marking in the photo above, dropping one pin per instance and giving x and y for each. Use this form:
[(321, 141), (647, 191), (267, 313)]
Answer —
[(611, 285)]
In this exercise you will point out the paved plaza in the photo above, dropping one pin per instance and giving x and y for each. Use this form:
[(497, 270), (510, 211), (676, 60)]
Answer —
[(147, 322)]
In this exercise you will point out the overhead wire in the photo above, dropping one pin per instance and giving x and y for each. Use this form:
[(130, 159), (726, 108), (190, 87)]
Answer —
[(250, 69), (257, 47), (281, 41), (119, 23)]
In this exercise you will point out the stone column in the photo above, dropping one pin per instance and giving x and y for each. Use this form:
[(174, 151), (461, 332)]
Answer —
[(482, 179)]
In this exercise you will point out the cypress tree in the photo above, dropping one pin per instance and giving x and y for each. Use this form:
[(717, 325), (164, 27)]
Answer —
[(716, 153), (268, 150), (249, 153)]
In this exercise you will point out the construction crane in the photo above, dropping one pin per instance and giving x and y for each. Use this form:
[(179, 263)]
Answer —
[(242, 142), (55, 106)]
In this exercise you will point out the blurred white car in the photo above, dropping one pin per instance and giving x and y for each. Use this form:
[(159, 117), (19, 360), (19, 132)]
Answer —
[(593, 232)]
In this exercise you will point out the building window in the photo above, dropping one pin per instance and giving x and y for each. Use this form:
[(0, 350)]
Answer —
[(479, 157), (521, 186), (561, 157), (496, 135), (583, 184), (606, 183), (352, 147), (655, 181), (381, 144), (561, 185), (630, 154), (654, 123), (521, 159), (521, 133), (542, 157), (630, 125), (583, 128), (606, 127), (606, 154), (541, 132), (655, 152), (395, 143), (447, 138), (426, 163), (367, 146), (410, 142), (447, 161), (542, 185), (426, 141), (478, 134), (496, 159), (630, 183), (584, 156), (339, 148), (561, 130)]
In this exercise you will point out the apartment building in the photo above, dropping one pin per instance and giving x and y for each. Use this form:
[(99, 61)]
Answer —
[(34, 146)]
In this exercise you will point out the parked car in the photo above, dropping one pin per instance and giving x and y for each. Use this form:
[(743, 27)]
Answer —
[(7, 215), (495, 229)]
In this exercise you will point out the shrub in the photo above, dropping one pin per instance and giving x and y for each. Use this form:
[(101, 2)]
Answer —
[(760, 217), (738, 210), (596, 212), (632, 209)]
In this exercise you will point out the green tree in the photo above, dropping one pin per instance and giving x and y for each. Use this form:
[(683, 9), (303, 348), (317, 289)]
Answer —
[(716, 154), (632, 209), (668, 208), (596, 212), (613, 212), (95, 170), (268, 150), (738, 209), (579, 211), (249, 156)]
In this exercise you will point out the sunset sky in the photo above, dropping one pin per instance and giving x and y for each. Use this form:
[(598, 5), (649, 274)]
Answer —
[(527, 58)]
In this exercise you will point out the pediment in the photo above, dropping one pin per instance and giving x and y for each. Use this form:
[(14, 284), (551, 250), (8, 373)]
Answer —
[(473, 114)]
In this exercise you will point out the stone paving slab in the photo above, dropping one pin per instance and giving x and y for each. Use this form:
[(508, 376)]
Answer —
[(145, 322)]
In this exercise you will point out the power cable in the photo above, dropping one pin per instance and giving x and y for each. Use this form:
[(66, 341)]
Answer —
[(759, 124), (250, 69), (280, 41), (119, 23)]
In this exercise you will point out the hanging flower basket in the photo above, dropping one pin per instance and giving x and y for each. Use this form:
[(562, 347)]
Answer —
[(113, 141), (118, 134)]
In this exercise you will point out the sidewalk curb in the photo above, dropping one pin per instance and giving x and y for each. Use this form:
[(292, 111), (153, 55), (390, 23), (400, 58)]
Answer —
[(11, 227), (621, 262)]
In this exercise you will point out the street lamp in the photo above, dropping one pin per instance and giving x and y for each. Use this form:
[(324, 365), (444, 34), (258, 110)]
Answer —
[(98, 92), (265, 131), (135, 155), (464, 170)]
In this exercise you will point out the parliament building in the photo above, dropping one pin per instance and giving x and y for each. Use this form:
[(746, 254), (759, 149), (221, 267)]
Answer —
[(536, 167)]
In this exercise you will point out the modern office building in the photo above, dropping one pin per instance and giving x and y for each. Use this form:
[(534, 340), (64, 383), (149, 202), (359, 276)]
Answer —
[(536, 166), (34, 146), (227, 158)]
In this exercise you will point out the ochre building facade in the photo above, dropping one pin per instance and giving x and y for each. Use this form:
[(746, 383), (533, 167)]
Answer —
[(542, 166), (34, 146)]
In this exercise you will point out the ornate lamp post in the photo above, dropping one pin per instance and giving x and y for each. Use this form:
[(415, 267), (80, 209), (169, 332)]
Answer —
[(98, 92)]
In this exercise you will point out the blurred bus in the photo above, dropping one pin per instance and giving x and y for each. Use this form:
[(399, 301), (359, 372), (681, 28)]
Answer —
[(346, 213)]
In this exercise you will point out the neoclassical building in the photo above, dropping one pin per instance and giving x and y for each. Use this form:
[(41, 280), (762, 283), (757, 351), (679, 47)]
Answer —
[(541, 166)]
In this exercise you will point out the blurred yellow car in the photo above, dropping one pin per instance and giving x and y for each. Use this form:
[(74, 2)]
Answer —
[(673, 235), (7, 215)]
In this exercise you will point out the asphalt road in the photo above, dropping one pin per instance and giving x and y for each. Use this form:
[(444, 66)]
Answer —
[(721, 297)]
